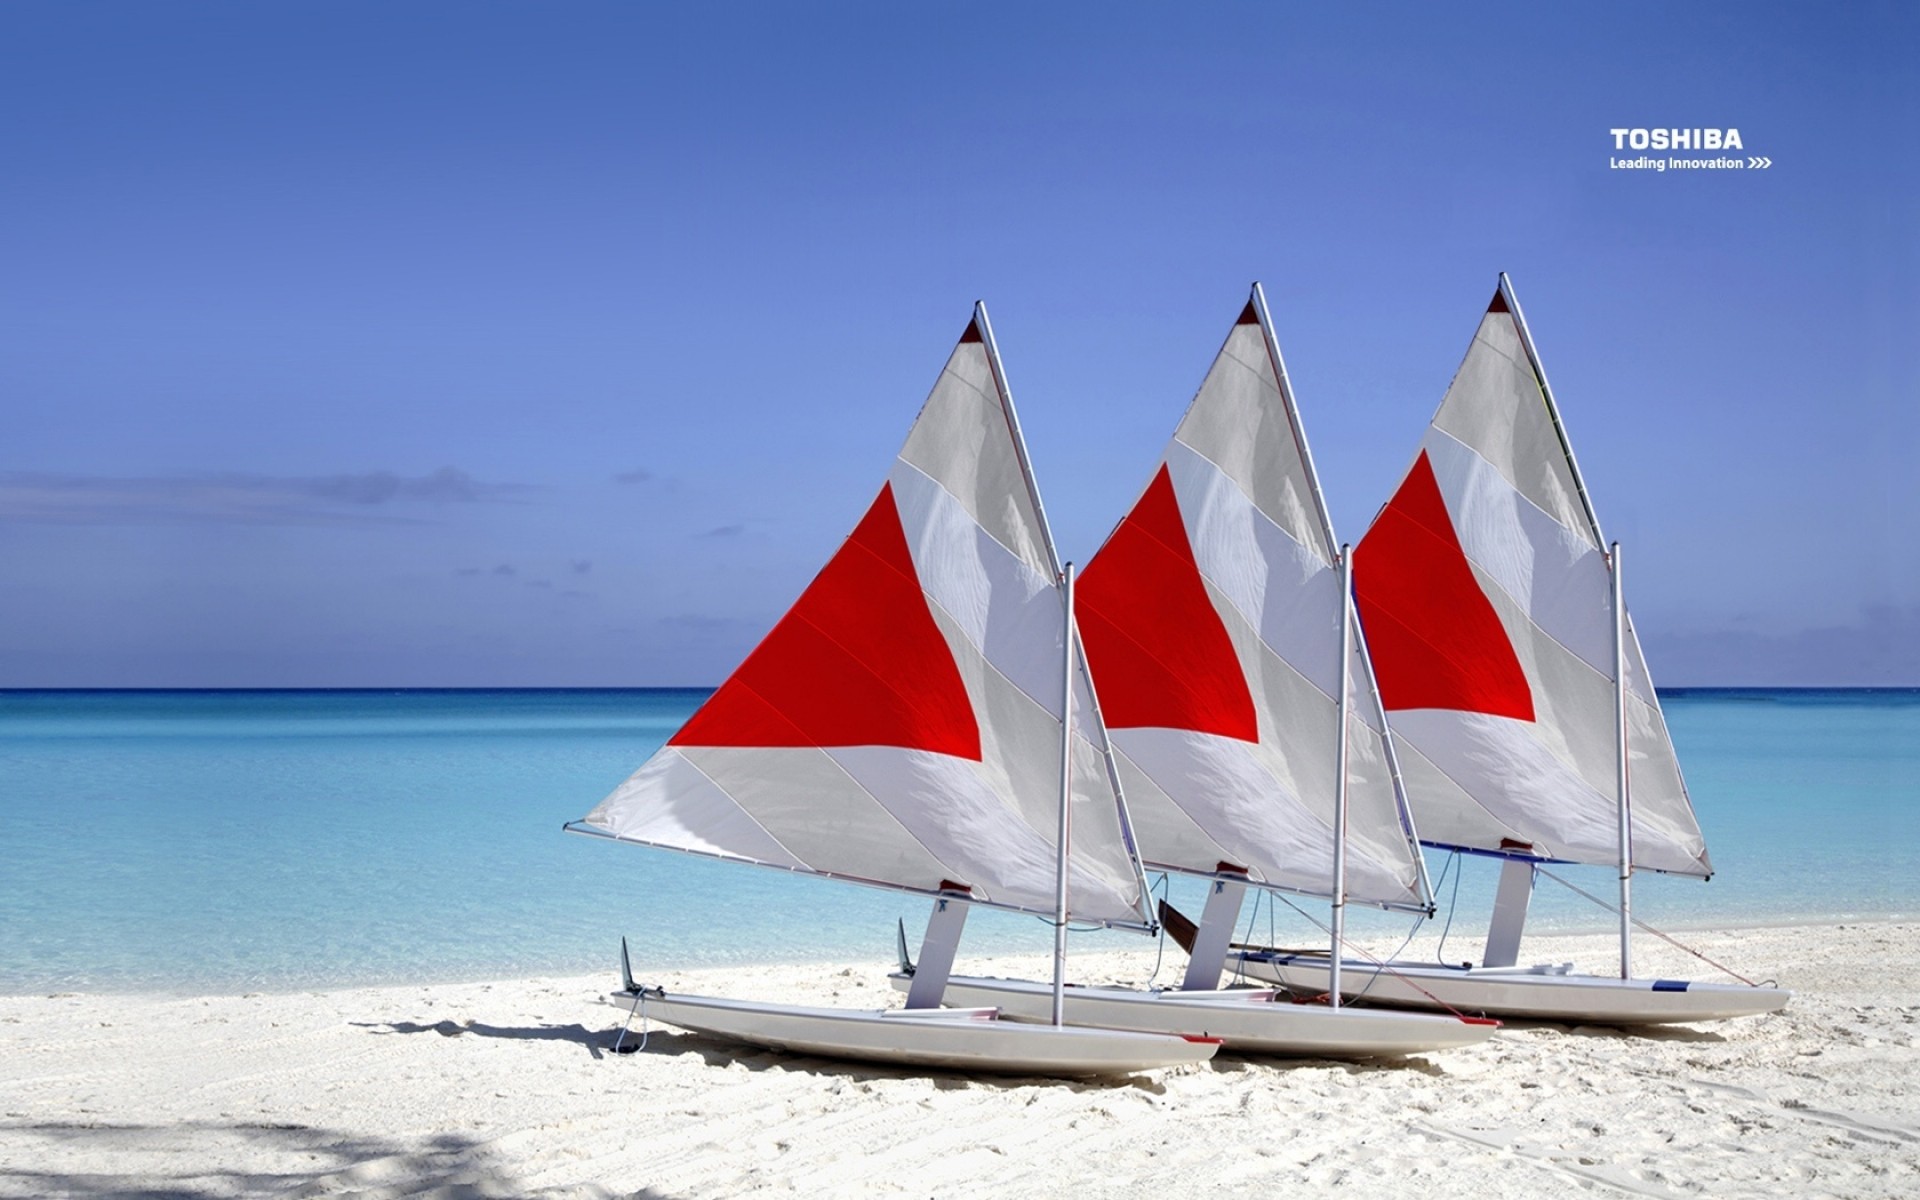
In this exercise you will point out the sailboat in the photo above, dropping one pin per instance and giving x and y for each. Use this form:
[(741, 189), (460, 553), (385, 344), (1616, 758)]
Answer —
[(1240, 705), (919, 721), (1527, 725)]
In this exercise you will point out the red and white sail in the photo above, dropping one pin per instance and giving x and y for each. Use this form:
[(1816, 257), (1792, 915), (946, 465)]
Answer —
[(901, 724), (1485, 591), (1212, 623)]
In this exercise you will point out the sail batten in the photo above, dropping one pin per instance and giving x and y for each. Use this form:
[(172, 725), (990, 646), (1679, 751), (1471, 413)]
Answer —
[(901, 725), (1214, 632), (1493, 633)]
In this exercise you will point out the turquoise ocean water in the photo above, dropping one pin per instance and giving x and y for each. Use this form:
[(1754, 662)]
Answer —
[(226, 841)]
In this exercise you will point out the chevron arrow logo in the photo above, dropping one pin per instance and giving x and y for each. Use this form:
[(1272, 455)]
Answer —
[(1759, 164)]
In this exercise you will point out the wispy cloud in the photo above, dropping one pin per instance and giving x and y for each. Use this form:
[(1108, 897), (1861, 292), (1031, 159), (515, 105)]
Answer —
[(364, 498), (447, 485)]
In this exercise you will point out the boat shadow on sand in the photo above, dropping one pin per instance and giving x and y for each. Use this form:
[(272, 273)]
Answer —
[(596, 1041), (195, 1160), (1615, 1033), (666, 1043)]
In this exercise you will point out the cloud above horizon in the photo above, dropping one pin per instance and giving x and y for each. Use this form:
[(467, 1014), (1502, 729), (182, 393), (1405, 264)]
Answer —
[(348, 498)]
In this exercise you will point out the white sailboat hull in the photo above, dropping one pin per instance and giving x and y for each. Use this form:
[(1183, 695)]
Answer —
[(968, 1040), (1248, 1021), (1528, 993)]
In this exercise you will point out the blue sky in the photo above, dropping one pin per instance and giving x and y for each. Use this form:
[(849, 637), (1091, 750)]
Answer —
[(468, 345)]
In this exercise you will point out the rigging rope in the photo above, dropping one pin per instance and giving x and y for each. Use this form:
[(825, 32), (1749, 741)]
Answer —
[(1240, 964), (1453, 904), (1404, 942), (1650, 929), (1160, 948), (1383, 966)]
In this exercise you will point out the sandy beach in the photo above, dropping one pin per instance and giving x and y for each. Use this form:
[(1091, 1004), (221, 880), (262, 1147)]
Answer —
[(510, 1089)]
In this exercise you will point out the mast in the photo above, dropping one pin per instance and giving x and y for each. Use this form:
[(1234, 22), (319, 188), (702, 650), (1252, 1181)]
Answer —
[(1620, 752), (1340, 782), (1066, 805)]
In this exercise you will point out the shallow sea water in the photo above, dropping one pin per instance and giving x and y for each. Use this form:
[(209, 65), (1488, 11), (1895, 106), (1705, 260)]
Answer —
[(228, 841)]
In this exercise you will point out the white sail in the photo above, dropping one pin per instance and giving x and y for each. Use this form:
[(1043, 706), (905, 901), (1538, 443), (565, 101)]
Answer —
[(1212, 622), (1484, 588), (900, 726)]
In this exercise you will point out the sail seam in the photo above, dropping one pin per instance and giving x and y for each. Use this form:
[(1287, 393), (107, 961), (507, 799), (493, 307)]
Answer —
[(933, 602), (1284, 388), (1221, 852), (977, 523), (1502, 476), (995, 404), (1320, 820), (1539, 373), (1486, 578), (1222, 600), (1016, 690), (1492, 816), (1591, 532), (744, 810), (1252, 502)]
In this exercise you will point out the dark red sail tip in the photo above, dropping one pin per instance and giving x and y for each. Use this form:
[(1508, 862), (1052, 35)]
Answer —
[(1248, 316), (1499, 301), (972, 334)]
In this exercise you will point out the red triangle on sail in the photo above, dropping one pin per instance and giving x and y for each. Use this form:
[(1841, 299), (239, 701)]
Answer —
[(857, 661), (1432, 633), (1158, 651)]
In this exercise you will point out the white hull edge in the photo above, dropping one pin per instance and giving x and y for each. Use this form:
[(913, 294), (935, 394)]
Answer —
[(1535, 994), (947, 1039), (1247, 1021)]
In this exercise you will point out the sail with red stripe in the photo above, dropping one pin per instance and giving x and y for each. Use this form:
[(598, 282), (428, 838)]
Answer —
[(1212, 624), (1485, 591), (901, 724)]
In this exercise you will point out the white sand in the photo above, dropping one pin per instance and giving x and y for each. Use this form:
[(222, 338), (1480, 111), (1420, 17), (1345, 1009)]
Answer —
[(506, 1089)]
